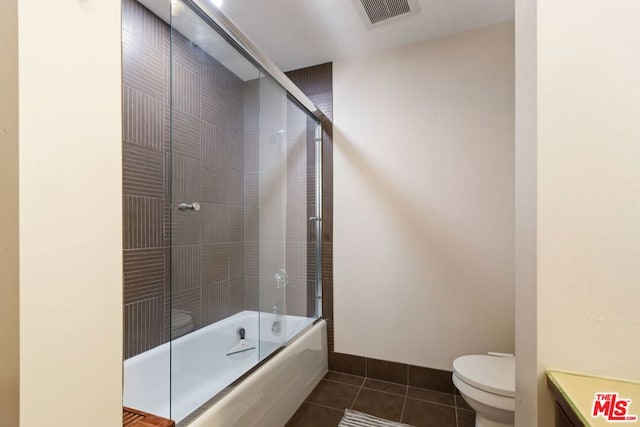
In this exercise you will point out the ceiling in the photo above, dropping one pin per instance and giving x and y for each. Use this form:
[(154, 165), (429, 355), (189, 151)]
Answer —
[(300, 33)]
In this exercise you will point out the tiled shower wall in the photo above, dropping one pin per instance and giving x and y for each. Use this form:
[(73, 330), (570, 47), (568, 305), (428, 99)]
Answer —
[(279, 185), (317, 83), (207, 262)]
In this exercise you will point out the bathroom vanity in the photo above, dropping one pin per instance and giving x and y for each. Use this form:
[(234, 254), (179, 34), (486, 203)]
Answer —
[(576, 396)]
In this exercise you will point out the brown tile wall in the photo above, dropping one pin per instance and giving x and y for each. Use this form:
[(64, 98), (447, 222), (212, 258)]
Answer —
[(317, 83), (204, 262)]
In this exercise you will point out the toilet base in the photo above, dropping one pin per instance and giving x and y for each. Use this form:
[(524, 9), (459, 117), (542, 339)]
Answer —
[(485, 422)]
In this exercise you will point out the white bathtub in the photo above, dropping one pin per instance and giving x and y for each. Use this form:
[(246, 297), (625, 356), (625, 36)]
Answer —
[(175, 379)]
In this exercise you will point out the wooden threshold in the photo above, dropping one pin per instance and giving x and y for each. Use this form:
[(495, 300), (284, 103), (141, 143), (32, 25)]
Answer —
[(135, 418)]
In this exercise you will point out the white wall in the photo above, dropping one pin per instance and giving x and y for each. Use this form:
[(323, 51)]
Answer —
[(424, 199), (70, 213), (9, 291), (527, 370), (588, 187)]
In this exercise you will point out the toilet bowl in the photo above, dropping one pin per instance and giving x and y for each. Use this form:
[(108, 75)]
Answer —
[(487, 383)]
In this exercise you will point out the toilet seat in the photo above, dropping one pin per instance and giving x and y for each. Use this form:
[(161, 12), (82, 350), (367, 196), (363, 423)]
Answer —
[(493, 374)]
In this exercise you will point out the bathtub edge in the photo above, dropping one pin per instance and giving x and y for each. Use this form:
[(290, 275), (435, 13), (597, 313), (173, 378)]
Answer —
[(270, 396)]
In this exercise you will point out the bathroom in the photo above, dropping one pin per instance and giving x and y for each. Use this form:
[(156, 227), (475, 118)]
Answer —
[(466, 187)]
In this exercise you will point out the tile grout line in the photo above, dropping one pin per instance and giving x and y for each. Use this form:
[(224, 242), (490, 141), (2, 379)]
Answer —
[(404, 402), (404, 394), (321, 405), (357, 394)]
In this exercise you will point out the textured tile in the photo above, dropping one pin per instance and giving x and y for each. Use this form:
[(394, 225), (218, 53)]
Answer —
[(215, 223), (379, 404), (387, 371), (143, 68), (215, 73), (214, 263), (186, 88), (236, 295), (334, 395), (214, 145), (432, 379), (143, 274), (186, 53), (311, 415), (236, 152), (236, 188), (189, 302), (431, 396), (142, 171), (327, 293), (186, 134), (216, 301), (347, 363), (143, 222), (236, 260), (214, 104), (214, 184), (385, 386), (251, 189), (295, 298), (236, 114), (143, 326), (143, 119), (185, 173), (344, 378), (330, 339), (251, 259), (251, 224), (236, 224), (424, 414), (185, 227), (185, 267), (143, 25), (251, 292), (235, 86)]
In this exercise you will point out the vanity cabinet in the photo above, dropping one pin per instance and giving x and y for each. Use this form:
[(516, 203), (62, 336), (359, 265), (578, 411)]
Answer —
[(563, 420), (565, 416), (575, 396)]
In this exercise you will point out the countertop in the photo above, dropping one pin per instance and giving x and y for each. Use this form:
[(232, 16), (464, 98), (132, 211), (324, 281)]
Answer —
[(580, 391)]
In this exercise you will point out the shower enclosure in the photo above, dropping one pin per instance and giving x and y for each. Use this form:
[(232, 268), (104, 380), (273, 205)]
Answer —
[(221, 163)]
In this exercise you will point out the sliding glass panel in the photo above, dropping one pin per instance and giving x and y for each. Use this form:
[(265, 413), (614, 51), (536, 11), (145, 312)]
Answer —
[(221, 210), (272, 225), (303, 215), (214, 325)]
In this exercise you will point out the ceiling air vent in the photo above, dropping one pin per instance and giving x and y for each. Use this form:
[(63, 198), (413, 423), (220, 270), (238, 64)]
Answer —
[(380, 12)]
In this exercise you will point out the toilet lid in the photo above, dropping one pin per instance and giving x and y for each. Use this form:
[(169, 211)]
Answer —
[(494, 374)]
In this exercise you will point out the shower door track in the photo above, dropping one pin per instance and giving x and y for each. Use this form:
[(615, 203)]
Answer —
[(234, 35)]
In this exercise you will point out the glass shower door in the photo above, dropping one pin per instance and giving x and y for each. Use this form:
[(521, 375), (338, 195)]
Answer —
[(289, 218), (243, 189), (214, 328)]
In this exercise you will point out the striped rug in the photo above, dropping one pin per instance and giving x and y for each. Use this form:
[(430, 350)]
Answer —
[(358, 419)]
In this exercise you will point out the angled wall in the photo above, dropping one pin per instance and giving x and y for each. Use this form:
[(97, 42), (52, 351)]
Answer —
[(424, 198), (70, 213), (9, 267)]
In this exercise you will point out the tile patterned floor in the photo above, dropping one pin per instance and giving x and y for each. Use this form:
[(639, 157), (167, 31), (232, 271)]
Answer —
[(419, 407)]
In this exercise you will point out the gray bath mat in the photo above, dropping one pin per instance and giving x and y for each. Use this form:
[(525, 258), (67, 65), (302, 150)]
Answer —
[(358, 419)]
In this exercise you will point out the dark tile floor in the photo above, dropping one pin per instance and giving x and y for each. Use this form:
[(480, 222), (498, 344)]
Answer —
[(419, 407)]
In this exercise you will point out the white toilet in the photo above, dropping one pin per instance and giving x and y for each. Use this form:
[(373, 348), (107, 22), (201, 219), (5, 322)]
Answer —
[(488, 384)]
